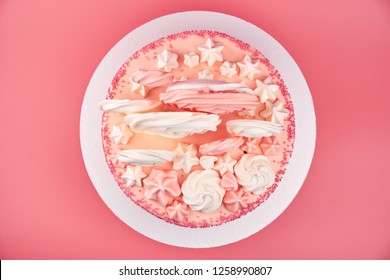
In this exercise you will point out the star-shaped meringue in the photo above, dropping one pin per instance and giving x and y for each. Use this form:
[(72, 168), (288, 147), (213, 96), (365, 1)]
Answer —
[(251, 146), (275, 112), (138, 88), (162, 186), (178, 211), (191, 59), (270, 146), (228, 69), (248, 68), (211, 52), (207, 162), (121, 134), (234, 200), (205, 74), (266, 90), (225, 164), (185, 157), (134, 176), (167, 60)]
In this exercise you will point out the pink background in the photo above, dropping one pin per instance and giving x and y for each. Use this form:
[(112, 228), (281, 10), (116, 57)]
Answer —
[(49, 209)]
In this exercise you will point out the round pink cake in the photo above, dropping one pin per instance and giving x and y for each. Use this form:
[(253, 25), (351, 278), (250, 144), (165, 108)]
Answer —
[(198, 128)]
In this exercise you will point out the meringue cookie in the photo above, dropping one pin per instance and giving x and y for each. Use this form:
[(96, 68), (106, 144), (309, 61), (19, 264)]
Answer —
[(275, 112), (228, 69), (205, 74), (248, 68), (211, 52), (121, 134), (134, 176), (266, 90), (191, 59), (167, 60)]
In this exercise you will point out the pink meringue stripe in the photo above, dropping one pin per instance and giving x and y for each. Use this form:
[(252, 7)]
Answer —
[(221, 146), (216, 103), (152, 78)]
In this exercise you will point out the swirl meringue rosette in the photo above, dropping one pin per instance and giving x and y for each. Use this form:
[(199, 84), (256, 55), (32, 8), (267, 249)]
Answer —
[(197, 152)]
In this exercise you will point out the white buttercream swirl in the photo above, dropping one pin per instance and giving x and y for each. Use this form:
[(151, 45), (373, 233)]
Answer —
[(253, 128), (202, 191), (254, 173), (127, 106), (173, 124), (145, 157)]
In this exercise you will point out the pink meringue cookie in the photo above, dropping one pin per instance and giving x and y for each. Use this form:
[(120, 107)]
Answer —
[(234, 200), (178, 211), (162, 186), (152, 78), (229, 181), (210, 102), (221, 146)]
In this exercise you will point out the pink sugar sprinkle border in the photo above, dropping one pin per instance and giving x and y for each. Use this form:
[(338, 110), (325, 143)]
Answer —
[(290, 130)]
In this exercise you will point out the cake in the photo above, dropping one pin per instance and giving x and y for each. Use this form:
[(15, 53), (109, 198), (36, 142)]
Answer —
[(197, 128)]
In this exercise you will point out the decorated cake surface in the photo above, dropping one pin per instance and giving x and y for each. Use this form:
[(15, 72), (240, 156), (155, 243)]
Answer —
[(198, 128)]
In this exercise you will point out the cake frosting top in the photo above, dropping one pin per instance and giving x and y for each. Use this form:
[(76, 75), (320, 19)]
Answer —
[(198, 128)]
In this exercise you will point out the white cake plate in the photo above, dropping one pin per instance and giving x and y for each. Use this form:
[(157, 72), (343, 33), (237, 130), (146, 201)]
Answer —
[(139, 219)]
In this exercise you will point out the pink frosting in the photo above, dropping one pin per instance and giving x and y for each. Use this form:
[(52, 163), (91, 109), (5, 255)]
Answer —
[(152, 78), (229, 182), (178, 211), (221, 146), (235, 200), (162, 186), (210, 102)]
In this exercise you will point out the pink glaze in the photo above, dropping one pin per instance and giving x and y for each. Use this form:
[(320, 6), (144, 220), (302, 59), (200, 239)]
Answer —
[(221, 146), (152, 78), (229, 182), (215, 103), (162, 186), (234, 200)]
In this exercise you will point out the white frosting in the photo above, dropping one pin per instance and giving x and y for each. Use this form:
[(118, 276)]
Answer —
[(127, 106), (212, 85), (134, 176), (191, 60), (228, 69), (254, 173), (202, 191), (211, 52), (253, 128), (173, 124), (185, 157), (145, 157), (167, 60), (275, 112), (207, 162), (265, 90), (205, 74), (248, 68), (121, 134), (225, 164)]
